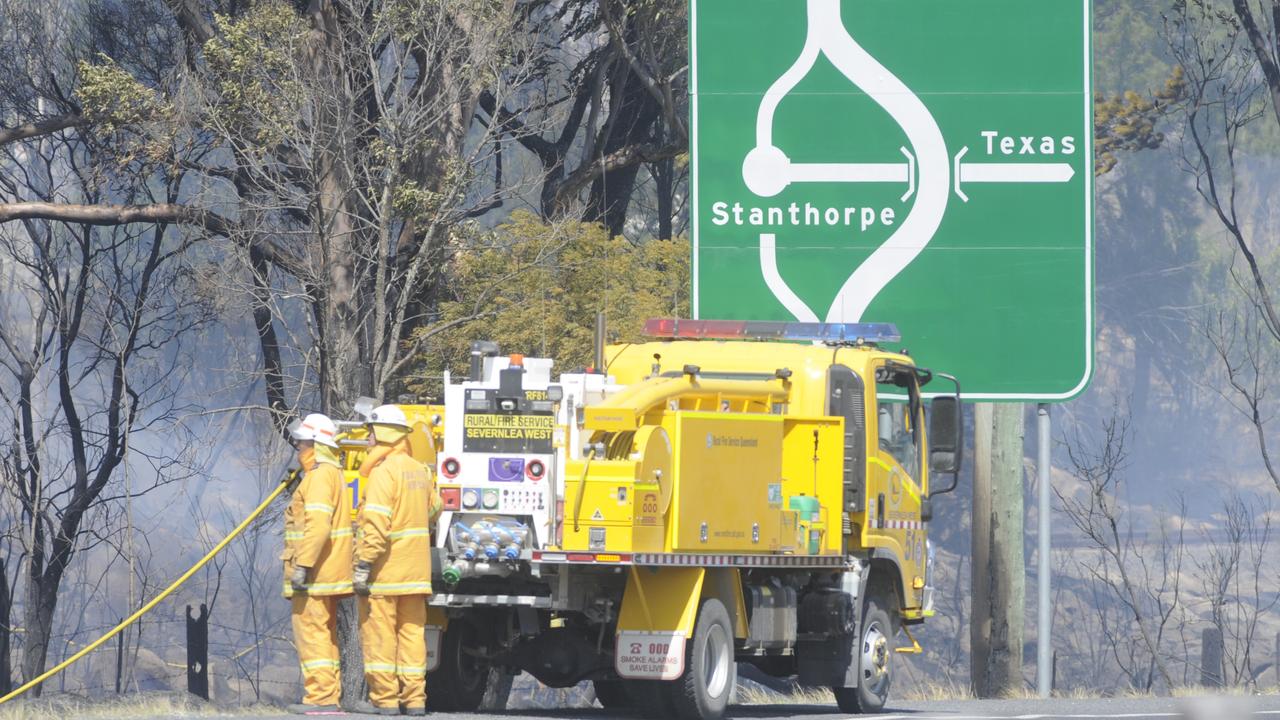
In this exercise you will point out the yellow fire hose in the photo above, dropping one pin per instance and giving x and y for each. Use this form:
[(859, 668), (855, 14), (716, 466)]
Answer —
[(157, 599)]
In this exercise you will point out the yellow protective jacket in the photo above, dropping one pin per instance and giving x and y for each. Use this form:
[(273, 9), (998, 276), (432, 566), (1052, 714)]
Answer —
[(395, 515), (317, 533)]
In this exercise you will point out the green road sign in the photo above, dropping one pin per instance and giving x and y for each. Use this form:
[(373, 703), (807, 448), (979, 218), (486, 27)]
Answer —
[(921, 162)]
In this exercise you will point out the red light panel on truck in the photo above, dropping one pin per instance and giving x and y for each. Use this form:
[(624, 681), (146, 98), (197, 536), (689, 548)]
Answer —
[(675, 329)]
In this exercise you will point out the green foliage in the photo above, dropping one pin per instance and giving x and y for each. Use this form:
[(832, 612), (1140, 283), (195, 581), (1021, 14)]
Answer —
[(253, 63), (113, 98), (535, 288), (408, 17), (1127, 122), (1127, 47), (126, 114), (423, 203)]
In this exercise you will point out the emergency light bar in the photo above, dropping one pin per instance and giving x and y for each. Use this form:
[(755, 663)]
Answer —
[(672, 329)]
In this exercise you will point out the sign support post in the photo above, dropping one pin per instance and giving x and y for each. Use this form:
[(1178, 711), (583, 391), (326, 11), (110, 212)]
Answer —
[(1044, 622)]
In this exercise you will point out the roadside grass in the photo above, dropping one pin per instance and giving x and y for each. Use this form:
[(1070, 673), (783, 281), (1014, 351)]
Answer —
[(1238, 691), (147, 705), (932, 691), (759, 695), (944, 691), (181, 705)]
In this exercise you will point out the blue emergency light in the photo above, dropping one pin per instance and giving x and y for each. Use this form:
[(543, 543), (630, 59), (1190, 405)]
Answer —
[(677, 329)]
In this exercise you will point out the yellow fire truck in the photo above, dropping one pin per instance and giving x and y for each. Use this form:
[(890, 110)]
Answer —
[(756, 492)]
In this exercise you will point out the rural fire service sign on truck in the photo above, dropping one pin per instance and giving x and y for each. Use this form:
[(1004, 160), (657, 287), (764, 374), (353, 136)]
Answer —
[(921, 162)]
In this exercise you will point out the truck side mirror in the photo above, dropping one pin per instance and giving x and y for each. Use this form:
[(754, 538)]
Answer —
[(946, 422)]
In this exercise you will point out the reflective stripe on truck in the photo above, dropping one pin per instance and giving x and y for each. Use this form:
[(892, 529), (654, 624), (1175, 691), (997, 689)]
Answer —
[(691, 560)]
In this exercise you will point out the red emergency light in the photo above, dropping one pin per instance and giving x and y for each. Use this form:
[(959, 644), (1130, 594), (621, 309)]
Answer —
[(677, 329)]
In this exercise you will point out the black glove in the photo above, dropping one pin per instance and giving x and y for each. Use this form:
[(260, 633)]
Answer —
[(292, 477), (360, 578), (299, 578)]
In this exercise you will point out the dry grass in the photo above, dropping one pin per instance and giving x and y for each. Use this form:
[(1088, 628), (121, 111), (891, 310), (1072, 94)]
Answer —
[(944, 691), (1077, 693), (1201, 691), (147, 705), (757, 695), (931, 691)]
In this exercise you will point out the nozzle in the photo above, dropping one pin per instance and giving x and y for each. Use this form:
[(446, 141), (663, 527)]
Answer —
[(452, 574)]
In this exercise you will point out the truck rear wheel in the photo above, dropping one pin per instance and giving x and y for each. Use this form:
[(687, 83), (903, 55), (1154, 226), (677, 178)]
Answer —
[(874, 654), (612, 694), (710, 673), (497, 690), (652, 697), (459, 682)]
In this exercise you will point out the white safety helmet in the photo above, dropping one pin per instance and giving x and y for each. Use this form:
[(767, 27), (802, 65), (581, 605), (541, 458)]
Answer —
[(389, 415), (317, 428)]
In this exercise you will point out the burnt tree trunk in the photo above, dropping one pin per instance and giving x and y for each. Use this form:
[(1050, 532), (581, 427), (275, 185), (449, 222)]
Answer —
[(633, 120), (662, 175), (263, 321), (41, 602), (6, 605)]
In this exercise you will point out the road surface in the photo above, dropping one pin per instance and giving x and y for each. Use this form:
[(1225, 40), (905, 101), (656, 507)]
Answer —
[(1262, 708)]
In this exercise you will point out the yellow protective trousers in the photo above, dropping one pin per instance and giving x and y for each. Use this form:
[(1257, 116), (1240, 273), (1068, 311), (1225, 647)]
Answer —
[(395, 649), (315, 632)]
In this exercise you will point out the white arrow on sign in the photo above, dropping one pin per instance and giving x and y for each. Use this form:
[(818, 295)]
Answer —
[(903, 172), (988, 172), (788, 172), (848, 172), (1008, 173), (1016, 172)]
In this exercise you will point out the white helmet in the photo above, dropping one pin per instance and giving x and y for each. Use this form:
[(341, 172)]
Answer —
[(315, 427), (389, 415)]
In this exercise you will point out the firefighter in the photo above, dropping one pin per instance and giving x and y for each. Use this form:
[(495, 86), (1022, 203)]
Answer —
[(317, 561), (393, 567)]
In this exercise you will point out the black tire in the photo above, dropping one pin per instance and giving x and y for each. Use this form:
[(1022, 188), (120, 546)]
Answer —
[(652, 698), (612, 694), (498, 690), (710, 673), (874, 656), (459, 682)]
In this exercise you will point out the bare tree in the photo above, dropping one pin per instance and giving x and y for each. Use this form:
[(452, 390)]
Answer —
[(9, 538), (1235, 584), (620, 67), (1246, 354), (90, 347), (1145, 581), (1232, 91), (1222, 94)]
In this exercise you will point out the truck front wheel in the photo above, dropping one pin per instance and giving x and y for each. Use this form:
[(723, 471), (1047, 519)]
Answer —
[(710, 672), (873, 654)]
